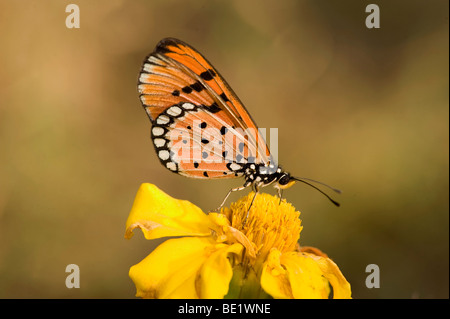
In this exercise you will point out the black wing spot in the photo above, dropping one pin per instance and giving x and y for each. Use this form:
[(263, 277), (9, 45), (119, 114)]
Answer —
[(197, 86), (205, 174), (203, 125), (187, 89), (205, 141), (176, 93), (208, 75), (223, 130), (195, 164), (214, 108), (224, 97)]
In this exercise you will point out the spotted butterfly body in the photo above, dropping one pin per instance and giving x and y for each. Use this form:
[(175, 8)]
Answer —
[(200, 128)]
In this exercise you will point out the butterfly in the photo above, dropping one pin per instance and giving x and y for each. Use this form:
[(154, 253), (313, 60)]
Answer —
[(200, 128)]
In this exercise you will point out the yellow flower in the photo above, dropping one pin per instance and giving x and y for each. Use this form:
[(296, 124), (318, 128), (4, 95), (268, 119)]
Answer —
[(237, 253)]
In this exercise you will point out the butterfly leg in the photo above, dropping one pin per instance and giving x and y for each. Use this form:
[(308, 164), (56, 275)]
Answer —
[(229, 193), (256, 189), (280, 194)]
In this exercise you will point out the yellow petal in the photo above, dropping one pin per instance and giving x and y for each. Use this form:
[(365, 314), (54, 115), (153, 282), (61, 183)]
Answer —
[(171, 270), (341, 287), (159, 215), (274, 279), (305, 276), (216, 272), (302, 275)]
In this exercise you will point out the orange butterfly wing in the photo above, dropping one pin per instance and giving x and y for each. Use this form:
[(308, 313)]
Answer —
[(176, 75)]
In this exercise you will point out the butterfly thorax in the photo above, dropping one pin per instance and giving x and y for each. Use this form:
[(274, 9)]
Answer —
[(262, 174)]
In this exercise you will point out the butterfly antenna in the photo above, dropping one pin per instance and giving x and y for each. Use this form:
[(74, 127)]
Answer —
[(304, 180)]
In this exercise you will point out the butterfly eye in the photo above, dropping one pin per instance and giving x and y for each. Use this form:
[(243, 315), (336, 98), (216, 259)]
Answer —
[(284, 180)]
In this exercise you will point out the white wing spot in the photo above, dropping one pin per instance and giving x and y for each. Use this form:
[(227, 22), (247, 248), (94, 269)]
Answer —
[(164, 155), (162, 119), (148, 67), (159, 142), (235, 167), (171, 165), (144, 78), (188, 106), (174, 111), (157, 131)]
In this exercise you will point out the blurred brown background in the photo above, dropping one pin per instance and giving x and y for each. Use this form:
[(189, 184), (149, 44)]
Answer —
[(365, 110)]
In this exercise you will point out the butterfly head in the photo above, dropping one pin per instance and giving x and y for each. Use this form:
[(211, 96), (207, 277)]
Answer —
[(285, 180)]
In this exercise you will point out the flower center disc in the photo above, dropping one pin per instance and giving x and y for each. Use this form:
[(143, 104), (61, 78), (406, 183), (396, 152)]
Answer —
[(268, 224)]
